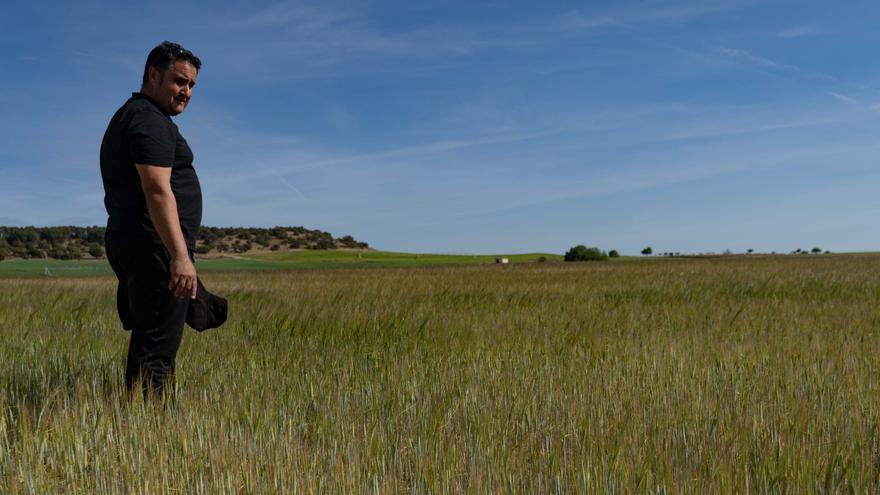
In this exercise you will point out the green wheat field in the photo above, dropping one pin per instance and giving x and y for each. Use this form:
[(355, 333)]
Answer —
[(726, 375)]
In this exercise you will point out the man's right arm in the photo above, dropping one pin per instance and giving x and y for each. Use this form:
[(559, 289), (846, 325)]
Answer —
[(162, 206)]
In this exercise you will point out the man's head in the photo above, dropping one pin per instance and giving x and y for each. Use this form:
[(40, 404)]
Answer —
[(169, 76)]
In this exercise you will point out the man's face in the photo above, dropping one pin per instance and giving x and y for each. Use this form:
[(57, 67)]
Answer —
[(172, 88)]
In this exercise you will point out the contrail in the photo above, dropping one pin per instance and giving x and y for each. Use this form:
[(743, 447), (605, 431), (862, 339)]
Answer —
[(289, 185)]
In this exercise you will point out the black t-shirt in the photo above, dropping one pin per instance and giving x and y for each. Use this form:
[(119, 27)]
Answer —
[(140, 132)]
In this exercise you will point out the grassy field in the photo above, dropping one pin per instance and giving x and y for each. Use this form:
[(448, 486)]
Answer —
[(268, 261), (729, 375)]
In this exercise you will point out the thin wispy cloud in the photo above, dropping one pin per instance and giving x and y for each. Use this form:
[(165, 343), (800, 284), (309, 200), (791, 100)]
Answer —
[(755, 60), (798, 31), (842, 97), (294, 164), (663, 175), (457, 192), (292, 16), (647, 12), (294, 40)]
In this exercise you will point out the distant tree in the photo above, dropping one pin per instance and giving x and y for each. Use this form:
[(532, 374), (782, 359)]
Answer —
[(33, 252), (750, 251), (349, 242), (275, 247), (50, 235), (827, 252), (816, 250), (613, 254), (325, 243), (208, 234), (95, 250), (584, 253), (262, 239), (95, 234), (541, 259), (29, 235), (74, 252), (648, 251), (59, 253)]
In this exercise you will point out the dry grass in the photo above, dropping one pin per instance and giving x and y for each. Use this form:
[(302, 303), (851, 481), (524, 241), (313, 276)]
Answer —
[(727, 375)]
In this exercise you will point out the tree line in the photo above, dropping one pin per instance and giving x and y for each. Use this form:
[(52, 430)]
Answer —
[(584, 253), (73, 243)]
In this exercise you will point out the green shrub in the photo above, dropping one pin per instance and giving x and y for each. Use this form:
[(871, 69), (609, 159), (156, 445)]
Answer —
[(584, 253)]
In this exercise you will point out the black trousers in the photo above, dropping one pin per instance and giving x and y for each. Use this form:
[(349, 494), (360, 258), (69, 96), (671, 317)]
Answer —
[(149, 309)]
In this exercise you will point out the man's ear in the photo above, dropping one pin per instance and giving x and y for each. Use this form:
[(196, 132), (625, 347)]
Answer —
[(154, 77)]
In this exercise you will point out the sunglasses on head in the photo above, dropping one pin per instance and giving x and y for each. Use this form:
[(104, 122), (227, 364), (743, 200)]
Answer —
[(177, 49)]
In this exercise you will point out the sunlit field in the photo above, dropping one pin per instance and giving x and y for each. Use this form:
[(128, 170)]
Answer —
[(727, 375)]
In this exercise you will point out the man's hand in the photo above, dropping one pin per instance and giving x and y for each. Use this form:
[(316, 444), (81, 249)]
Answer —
[(183, 278)]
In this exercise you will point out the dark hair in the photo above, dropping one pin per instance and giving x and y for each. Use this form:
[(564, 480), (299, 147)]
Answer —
[(165, 54)]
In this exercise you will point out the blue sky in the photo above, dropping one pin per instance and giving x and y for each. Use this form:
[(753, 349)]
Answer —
[(473, 127)]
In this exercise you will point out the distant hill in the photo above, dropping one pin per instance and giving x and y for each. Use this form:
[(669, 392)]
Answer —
[(72, 243)]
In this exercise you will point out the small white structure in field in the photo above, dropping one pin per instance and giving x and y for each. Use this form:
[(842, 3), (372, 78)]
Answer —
[(502, 261)]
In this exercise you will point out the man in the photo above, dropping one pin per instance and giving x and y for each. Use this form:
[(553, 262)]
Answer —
[(154, 203)]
